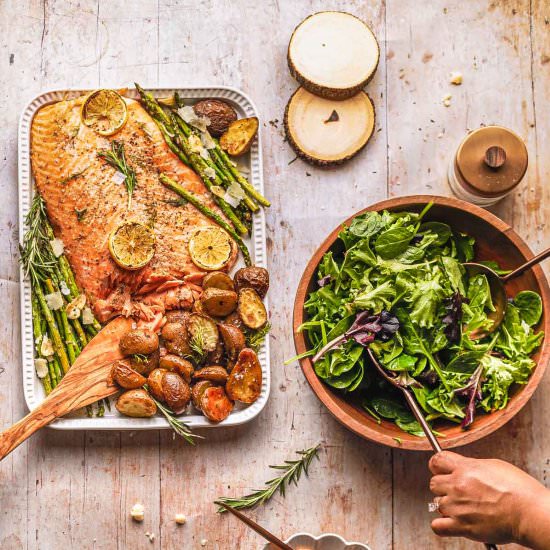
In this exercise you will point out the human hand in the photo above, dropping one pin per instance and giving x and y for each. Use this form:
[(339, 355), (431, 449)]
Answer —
[(489, 501)]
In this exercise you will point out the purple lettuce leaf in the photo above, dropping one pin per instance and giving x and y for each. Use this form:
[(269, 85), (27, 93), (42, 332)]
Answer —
[(471, 392), (453, 319)]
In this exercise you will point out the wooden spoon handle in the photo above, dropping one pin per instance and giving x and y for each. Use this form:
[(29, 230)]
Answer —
[(16, 434), (533, 261)]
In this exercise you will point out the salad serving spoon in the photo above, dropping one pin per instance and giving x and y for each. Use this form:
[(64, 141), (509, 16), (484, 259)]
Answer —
[(498, 292), (415, 409)]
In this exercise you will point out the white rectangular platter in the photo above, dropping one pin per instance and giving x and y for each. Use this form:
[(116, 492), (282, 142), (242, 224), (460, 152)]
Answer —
[(251, 163)]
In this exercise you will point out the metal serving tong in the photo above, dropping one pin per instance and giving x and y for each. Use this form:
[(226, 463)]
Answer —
[(416, 410), (258, 528)]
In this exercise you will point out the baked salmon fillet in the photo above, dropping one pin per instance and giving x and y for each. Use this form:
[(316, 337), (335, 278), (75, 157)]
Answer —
[(86, 202)]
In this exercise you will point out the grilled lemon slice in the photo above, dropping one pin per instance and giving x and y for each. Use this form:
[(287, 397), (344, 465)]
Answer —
[(210, 248), (104, 111), (132, 245)]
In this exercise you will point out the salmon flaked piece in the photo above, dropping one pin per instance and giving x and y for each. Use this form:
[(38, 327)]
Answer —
[(85, 203)]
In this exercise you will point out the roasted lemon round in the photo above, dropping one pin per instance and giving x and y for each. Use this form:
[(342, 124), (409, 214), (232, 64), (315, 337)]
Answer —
[(104, 111), (132, 245), (210, 248)]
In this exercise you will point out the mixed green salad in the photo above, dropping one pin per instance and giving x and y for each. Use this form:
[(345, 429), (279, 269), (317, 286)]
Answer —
[(399, 287)]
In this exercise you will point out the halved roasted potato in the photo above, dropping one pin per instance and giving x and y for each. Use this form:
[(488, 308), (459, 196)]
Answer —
[(176, 391), (177, 364), (203, 330), (219, 303), (218, 279), (233, 340), (136, 403), (144, 364), (214, 373), (245, 381), (238, 138), (139, 341), (253, 277), (251, 309), (126, 377), (215, 404), (154, 382), (197, 390), (176, 338)]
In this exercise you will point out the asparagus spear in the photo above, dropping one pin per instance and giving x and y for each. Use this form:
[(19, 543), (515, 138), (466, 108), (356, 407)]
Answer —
[(37, 333), (180, 190), (195, 160)]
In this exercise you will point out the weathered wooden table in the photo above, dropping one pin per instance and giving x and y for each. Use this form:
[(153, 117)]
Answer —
[(75, 490)]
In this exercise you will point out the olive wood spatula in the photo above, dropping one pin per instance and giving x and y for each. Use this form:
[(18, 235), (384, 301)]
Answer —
[(87, 381)]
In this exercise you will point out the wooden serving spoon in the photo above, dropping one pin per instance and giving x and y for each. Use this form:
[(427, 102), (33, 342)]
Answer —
[(87, 381)]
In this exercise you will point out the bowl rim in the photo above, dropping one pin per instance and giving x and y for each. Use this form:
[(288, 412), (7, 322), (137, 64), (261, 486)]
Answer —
[(325, 394)]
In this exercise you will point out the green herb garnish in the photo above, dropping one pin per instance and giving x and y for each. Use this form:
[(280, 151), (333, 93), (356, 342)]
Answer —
[(117, 159), (80, 213), (292, 470), (399, 267), (73, 176), (255, 339)]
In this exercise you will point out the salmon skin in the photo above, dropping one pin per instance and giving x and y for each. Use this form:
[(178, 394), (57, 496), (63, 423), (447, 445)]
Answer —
[(86, 202)]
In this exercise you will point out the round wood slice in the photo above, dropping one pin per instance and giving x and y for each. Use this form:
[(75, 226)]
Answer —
[(333, 54), (327, 132)]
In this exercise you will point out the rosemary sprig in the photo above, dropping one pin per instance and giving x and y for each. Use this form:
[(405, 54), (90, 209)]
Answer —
[(179, 427), (255, 339), (37, 256), (73, 176), (292, 469), (117, 159)]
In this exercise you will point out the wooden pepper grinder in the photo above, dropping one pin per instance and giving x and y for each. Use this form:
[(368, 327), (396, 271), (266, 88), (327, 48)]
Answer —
[(489, 163)]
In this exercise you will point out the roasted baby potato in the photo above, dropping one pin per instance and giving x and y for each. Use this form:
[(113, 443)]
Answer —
[(218, 279), (219, 303), (139, 341), (204, 330), (214, 373), (176, 337), (215, 357), (233, 340), (234, 320), (136, 403), (251, 309), (126, 377), (220, 114), (215, 404), (144, 364), (177, 364), (154, 381), (238, 138), (245, 381), (177, 316), (253, 277), (198, 389), (176, 391)]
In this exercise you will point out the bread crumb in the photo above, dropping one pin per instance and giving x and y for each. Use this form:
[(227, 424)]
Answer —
[(447, 100), (456, 78), (150, 536), (137, 512), (204, 542), (180, 519)]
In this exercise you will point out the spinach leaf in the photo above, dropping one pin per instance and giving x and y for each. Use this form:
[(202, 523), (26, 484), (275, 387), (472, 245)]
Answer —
[(394, 241), (441, 230), (529, 304)]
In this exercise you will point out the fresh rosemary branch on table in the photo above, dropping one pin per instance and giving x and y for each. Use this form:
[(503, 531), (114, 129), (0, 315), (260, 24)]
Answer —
[(292, 470), (116, 158)]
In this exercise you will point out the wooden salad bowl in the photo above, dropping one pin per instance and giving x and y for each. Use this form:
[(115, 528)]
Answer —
[(495, 240)]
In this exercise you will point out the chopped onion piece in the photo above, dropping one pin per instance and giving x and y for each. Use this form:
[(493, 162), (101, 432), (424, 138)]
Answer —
[(118, 178), (207, 140), (54, 300), (218, 191), (41, 367), (64, 288), (46, 347), (87, 316), (210, 172), (57, 247)]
